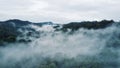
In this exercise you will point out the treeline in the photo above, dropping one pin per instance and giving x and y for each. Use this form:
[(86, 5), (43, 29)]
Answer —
[(88, 25)]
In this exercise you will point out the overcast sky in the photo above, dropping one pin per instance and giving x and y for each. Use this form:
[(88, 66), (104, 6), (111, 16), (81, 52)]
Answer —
[(59, 11)]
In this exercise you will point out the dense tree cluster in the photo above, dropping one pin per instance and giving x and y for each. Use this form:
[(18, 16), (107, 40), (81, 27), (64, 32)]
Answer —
[(88, 25)]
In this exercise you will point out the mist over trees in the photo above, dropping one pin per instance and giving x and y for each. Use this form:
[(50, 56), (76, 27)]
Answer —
[(9, 29), (86, 44)]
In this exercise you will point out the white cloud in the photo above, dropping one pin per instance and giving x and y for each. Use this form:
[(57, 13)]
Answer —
[(38, 5), (60, 10)]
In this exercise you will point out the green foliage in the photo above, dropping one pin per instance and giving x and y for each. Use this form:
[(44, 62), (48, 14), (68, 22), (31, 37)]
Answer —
[(50, 65), (85, 62)]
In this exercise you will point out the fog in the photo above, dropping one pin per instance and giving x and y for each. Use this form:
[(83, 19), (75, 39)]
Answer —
[(99, 46)]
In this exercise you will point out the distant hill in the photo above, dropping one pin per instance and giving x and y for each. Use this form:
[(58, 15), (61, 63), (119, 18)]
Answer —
[(88, 25), (9, 29)]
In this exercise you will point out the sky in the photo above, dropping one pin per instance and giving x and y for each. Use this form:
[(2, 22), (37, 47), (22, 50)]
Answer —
[(59, 11)]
